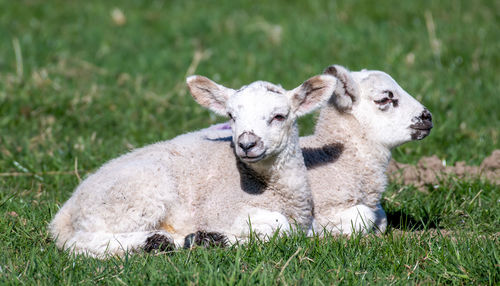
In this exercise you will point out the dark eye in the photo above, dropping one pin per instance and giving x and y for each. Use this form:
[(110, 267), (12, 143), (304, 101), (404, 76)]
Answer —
[(230, 115), (279, 117), (382, 101), (390, 94)]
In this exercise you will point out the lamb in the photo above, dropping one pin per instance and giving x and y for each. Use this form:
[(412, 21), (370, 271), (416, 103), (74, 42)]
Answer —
[(347, 156), (167, 194)]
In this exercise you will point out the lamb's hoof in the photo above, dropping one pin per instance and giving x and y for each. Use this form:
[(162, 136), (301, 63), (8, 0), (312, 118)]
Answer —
[(158, 242), (205, 239)]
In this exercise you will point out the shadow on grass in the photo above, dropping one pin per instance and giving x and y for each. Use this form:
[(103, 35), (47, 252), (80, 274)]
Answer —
[(399, 219)]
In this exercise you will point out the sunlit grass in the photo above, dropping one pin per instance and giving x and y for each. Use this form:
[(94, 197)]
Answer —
[(79, 86)]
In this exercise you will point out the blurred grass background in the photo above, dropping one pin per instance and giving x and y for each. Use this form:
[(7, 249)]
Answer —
[(84, 81)]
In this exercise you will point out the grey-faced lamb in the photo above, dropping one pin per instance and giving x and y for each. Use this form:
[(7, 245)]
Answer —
[(165, 195)]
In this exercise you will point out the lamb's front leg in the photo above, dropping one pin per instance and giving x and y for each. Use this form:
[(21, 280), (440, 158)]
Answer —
[(359, 218), (263, 223)]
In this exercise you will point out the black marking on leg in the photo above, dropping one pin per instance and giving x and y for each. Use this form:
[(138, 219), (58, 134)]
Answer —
[(210, 239), (189, 240), (205, 239), (158, 242)]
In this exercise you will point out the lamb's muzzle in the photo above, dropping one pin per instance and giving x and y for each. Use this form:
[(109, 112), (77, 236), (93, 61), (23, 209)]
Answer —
[(250, 147), (422, 126)]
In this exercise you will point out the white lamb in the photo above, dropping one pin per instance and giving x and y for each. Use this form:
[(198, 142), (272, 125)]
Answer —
[(166, 194), (347, 156)]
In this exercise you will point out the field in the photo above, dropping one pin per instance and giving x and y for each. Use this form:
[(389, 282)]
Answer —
[(82, 82)]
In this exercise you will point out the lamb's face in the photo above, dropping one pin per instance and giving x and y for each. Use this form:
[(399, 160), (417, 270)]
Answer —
[(261, 121), (389, 114), (262, 114)]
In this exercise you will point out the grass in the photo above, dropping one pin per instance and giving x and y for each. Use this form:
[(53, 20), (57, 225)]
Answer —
[(77, 89)]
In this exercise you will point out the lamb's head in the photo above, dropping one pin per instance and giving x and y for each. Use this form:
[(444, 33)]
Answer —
[(389, 115), (263, 115)]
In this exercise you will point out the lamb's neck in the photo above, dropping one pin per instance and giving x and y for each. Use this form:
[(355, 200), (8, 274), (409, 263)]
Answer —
[(290, 162), (334, 127), (284, 176)]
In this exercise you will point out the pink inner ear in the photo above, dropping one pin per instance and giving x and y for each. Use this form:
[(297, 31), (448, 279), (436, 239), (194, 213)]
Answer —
[(307, 104)]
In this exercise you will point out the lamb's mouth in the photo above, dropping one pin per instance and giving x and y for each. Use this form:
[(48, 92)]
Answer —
[(253, 159), (420, 130)]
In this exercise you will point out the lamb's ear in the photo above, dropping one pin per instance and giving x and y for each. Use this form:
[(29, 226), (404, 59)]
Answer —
[(346, 92), (312, 94), (209, 94)]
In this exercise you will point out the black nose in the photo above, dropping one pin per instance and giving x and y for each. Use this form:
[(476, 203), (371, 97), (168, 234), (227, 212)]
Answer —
[(247, 145), (425, 120), (247, 141), (426, 116)]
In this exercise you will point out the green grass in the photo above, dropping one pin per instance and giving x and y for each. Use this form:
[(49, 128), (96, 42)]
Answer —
[(77, 90)]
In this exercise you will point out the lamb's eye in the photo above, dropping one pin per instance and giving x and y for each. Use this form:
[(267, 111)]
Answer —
[(230, 116), (390, 94), (279, 117), (382, 101)]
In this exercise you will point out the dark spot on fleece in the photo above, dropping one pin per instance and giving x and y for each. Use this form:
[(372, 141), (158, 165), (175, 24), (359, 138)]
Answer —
[(314, 157), (205, 239), (158, 242)]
